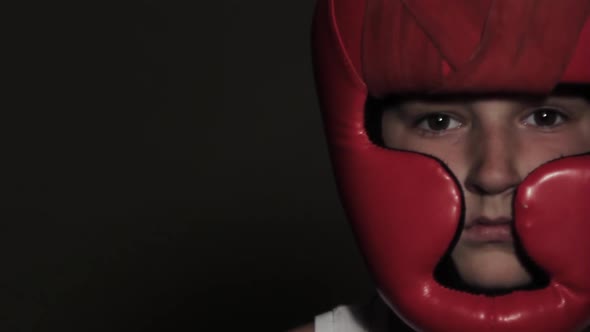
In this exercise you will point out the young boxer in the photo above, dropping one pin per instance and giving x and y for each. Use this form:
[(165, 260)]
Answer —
[(458, 132)]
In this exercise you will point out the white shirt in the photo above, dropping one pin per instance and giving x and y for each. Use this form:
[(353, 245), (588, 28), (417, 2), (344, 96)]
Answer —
[(373, 317)]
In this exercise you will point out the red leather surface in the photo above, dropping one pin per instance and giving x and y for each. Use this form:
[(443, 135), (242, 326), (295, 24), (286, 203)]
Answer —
[(405, 207)]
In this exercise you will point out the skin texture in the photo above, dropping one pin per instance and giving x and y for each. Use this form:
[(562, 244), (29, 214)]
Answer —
[(490, 144)]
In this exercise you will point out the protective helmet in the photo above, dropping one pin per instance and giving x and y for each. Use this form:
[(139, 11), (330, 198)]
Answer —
[(407, 208)]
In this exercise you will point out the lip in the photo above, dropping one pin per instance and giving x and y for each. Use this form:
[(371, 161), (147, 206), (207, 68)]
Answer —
[(484, 230)]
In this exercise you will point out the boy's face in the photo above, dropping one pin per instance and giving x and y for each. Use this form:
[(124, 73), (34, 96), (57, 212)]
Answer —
[(490, 144)]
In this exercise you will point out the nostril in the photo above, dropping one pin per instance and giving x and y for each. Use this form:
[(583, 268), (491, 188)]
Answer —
[(476, 189), (491, 185), (492, 178)]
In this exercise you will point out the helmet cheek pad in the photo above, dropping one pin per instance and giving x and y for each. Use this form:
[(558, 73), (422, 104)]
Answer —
[(406, 209)]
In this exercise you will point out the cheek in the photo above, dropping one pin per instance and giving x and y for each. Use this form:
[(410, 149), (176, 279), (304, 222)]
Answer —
[(539, 149), (453, 151), (395, 133), (582, 140)]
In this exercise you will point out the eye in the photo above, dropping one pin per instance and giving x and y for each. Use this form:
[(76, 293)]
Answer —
[(545, 117), (438, 122)]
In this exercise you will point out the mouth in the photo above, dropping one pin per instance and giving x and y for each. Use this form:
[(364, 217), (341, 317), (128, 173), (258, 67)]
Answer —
[(483, 230)]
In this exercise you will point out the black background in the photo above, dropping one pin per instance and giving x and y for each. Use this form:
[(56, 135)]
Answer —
[(165, 169)]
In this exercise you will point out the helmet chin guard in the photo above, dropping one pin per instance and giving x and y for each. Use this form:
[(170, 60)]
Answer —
[(406, 208)]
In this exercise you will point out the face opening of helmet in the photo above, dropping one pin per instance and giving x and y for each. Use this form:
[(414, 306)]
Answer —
[(490, 143)]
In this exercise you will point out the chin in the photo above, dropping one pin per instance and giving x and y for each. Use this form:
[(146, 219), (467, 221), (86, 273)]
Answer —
[(490, 267)]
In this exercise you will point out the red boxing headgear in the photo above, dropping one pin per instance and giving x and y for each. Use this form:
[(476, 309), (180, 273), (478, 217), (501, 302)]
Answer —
[(405, 207)]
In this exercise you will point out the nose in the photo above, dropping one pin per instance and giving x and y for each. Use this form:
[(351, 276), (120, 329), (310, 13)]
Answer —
[(493, 165)]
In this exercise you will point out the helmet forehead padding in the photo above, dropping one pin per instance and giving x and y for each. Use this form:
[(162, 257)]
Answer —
[(500, 46)]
